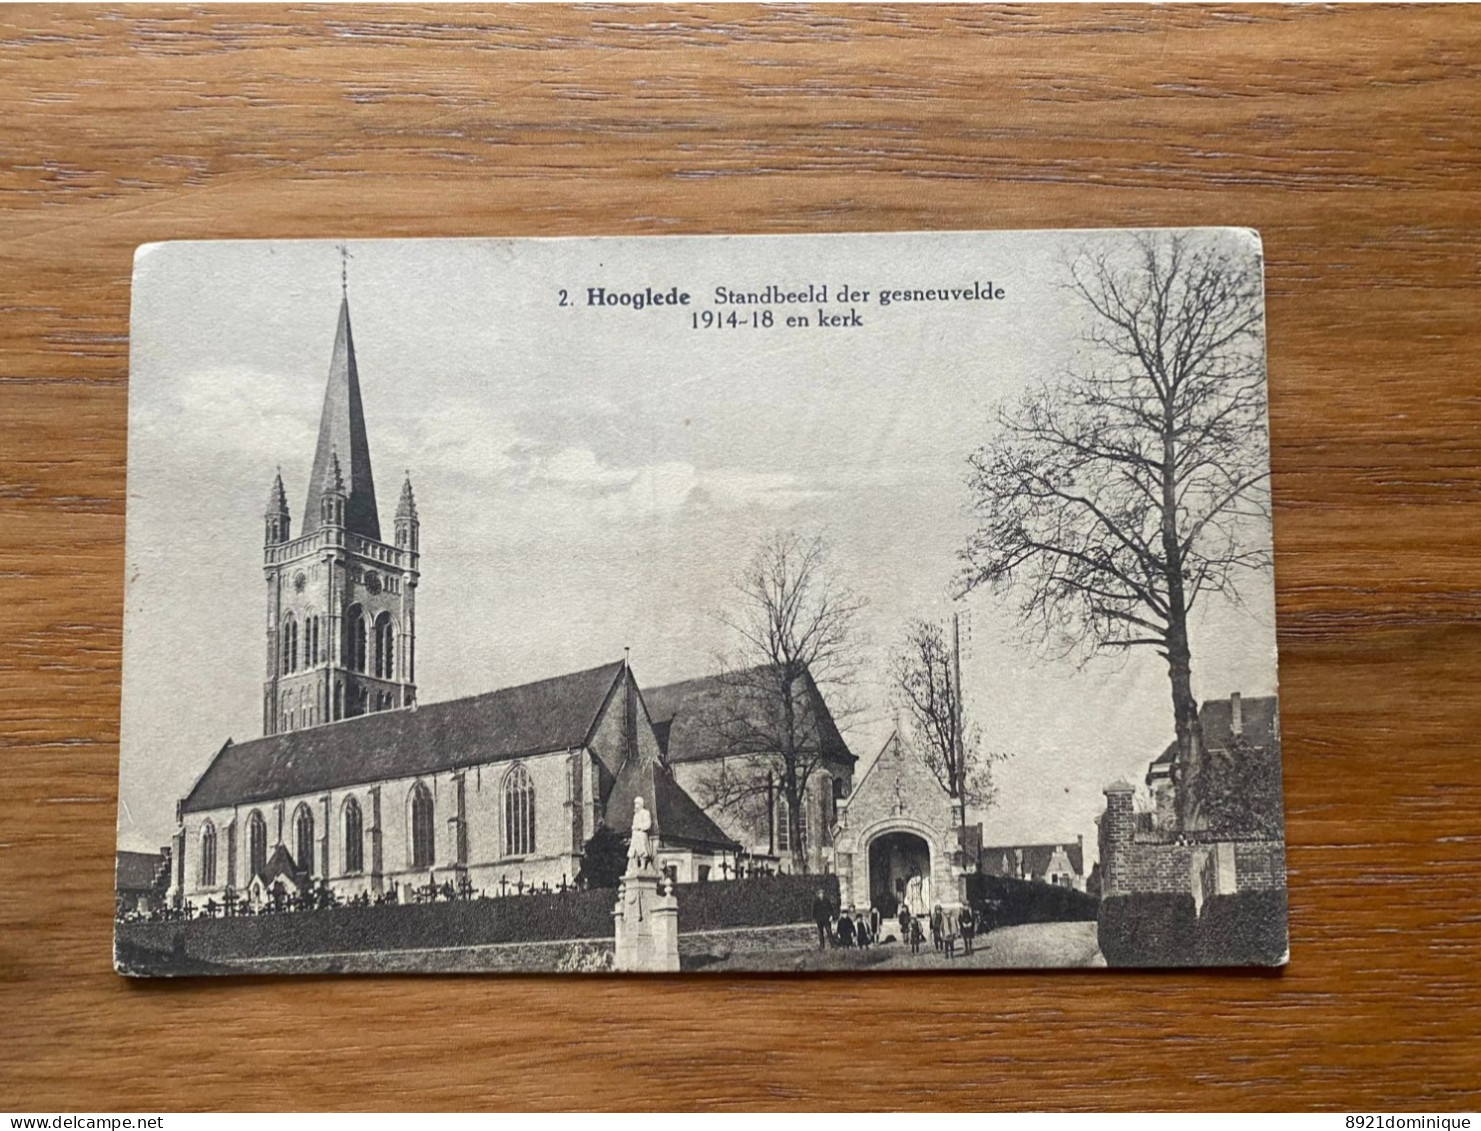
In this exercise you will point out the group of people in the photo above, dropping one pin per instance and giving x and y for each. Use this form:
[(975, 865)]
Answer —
[(843, 929), (944, 928), (856, 929)]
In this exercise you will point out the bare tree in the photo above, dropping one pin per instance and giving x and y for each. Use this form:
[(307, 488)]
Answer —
[(793, 624), (1114, 498), (926, 681)]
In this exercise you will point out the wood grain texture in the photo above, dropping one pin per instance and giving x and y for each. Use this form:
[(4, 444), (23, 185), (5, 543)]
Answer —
[(1346, 136)]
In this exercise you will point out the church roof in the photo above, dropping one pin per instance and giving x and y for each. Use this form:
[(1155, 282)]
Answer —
[(677, 818), (717, 716), (280, 863), (342, 432), (515, 722)]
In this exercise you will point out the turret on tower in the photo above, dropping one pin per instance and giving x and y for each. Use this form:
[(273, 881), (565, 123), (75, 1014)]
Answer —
[(279, 525), (341, 617), (408, 529), (332, 494)]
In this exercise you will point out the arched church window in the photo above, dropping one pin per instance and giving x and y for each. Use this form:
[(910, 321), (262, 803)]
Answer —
[(519, 813), (355, 638), (385, 656), (310, 641), (423, 846), (208, 855), (290, 644), (783, 826), (256, 843), (827, 812), (303, 838), (354, 837)]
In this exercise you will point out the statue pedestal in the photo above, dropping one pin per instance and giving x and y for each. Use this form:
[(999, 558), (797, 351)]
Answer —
[(646, 923)]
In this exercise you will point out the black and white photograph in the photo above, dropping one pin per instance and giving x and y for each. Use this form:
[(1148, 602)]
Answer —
[(821, 603)]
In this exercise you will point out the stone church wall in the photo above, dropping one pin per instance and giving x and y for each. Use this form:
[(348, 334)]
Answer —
[(487, 864)]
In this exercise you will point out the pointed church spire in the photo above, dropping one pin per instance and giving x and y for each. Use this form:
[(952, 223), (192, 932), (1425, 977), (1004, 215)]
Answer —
[(342, 430)]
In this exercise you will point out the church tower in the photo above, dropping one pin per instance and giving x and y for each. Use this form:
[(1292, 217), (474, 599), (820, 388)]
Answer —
[(341, 603)]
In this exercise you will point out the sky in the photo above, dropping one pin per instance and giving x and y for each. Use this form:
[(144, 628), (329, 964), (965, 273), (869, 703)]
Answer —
[(590, 478)]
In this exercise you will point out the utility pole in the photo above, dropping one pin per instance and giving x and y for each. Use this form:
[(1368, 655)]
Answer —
[(957, 746)]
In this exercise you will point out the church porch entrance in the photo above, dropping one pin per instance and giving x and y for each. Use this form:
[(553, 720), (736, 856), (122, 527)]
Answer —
[(893, 859)]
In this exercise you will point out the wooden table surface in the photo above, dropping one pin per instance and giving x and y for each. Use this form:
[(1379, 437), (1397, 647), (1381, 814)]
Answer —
[(1348, 137)]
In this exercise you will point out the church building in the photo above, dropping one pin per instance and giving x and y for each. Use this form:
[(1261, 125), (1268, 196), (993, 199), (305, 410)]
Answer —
[(705, 725), (354, 784)]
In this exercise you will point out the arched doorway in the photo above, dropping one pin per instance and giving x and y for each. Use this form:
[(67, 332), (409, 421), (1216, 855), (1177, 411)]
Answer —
[(893, 858)]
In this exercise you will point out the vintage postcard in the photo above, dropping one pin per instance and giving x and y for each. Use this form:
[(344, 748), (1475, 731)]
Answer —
[(839, 602)]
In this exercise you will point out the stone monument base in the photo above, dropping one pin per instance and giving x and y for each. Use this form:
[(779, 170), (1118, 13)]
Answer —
[(646, 923)]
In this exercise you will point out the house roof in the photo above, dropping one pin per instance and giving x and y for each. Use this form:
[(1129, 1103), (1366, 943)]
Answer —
[(135, 871), (515, 722), (1036, 858), (1259, 723), (718, 716)]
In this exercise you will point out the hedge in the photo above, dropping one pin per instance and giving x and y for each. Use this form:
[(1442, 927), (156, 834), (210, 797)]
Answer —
[(760, 902), (1149, 929), (765, 901), (1245, 929), (1003, 902)]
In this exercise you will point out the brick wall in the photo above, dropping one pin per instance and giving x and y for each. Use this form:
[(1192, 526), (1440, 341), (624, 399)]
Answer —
[(1260, 865), (1134, 861), (1157, 866)]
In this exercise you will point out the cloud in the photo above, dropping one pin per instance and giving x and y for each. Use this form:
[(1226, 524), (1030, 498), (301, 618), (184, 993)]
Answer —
[(580, 478), (759, 488), (231, 409)]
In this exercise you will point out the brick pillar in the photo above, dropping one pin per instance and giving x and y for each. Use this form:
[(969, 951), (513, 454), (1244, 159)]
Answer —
[(1117, 826)]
